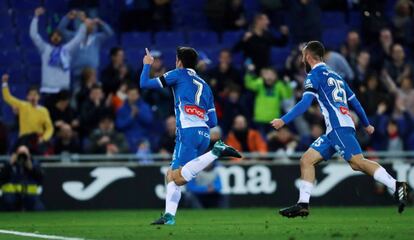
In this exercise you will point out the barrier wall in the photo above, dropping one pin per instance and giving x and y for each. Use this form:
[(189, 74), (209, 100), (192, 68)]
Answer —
[(115, 186)]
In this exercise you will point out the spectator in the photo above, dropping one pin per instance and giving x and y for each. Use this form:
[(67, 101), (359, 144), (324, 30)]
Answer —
[(157, 68), (93, 109), (351, 48), (373, 18), (361, 69), (381, 50), (66, 141), (162, 15), (370, 95), (87, 53), (91, 7), (144, 152), (398, 68), (270, 92), (106, 140), (119, 98), (339, 64), (116, 72), (404, 95), (256, 43), (306, 23), (62, 113), (21, 180), (245, 139), (134, 118), (224, 74), (167, 142), (56, 57), (204, 190), (403, 22), (282, 141), (33, 118), (306, 140), (232, 106), (235, 18), (88, 80)]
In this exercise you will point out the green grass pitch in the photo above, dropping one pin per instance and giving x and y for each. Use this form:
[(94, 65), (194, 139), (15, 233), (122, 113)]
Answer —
[(254, 223)]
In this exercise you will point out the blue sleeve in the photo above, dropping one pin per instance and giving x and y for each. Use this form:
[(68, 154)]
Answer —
[(211, 112), (300, 107), (311, 84), (146, 81), (193, 187), (168, 79), (356, 105)]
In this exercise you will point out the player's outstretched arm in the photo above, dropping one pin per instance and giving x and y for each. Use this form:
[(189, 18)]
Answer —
[(145, 80), (297, 110), (356, 105)]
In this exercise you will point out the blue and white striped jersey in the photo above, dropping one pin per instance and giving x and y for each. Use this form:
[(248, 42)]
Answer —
[(332, 93)]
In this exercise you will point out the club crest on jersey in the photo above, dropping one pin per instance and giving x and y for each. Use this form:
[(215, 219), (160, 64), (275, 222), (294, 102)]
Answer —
[(195, 111), (308, 83), (344, 110)]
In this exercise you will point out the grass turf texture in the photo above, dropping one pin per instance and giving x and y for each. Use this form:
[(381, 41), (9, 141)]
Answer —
[(257, 224)]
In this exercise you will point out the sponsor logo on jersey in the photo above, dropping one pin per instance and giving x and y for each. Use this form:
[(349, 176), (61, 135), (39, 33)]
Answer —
[(344, 110), (195, 111)]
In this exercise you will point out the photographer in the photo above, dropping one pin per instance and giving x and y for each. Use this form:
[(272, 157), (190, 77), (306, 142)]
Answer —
[(20, 180)]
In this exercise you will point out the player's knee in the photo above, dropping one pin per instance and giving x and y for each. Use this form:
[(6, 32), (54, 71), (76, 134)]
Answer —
[(306, 161), (177, 178)]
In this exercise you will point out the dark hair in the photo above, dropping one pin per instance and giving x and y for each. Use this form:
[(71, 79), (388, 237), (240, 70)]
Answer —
[(132, 86), (316, 48), (188, 56), (96, 86), (33, 89), (63, 95), (114, 51)]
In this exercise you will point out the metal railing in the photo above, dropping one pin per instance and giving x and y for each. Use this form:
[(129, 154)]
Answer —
[(271, 157)]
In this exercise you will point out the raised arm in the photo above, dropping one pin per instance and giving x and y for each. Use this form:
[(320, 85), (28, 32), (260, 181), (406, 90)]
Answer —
[(8, 98), (34, 31), (63, 25), (154, 83), (107, 31), (79, 37)]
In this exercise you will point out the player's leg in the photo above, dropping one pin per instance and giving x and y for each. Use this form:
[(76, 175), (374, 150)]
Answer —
[(347, 145), (193, 167), (319, 150), (371, 168)]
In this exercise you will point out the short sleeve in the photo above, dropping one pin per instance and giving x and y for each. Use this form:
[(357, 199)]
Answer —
[(169, 78), (311, 85)]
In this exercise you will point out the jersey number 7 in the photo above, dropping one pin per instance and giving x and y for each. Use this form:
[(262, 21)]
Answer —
[(199, 91)]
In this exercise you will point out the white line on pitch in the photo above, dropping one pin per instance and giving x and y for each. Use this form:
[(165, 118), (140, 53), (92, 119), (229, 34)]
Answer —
[(35, 235)]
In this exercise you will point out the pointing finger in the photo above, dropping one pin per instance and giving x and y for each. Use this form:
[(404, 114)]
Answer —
[(148, 52)]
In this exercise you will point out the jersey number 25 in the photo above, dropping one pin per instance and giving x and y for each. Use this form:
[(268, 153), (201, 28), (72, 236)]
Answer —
[(338, 94)]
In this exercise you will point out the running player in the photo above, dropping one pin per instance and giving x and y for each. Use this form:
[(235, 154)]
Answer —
[(195, 114), (334, 96)]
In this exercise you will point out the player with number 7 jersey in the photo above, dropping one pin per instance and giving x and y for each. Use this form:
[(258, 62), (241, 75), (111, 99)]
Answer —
[(195, 114)]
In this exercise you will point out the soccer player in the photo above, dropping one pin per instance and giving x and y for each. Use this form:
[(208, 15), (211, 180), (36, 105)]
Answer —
[(334, 97), (195, 114)]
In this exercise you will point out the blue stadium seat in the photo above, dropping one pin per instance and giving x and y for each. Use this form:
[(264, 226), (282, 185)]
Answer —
[(278, 57), (136, 39), (169, 39), (333, 19), (169, 57), (4, 5), (34, 75), (7, 41), (355, 19), (32, 57), (25, 4), (110, 43), (134, 57), (333, 38), (10, 58), (202, 39), (229, 39)]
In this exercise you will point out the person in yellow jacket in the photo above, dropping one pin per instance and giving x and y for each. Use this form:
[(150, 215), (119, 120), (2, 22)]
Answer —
[(33, 118)]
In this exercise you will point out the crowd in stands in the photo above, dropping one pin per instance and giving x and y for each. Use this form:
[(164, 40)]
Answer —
[(87, 103)]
